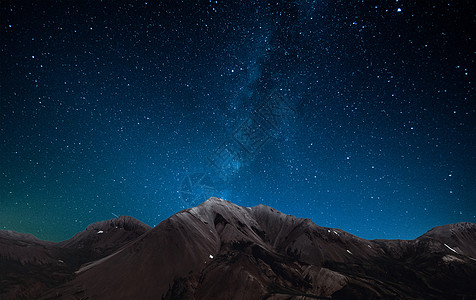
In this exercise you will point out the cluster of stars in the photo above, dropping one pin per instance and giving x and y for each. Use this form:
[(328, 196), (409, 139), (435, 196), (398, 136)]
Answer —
[(106, 108)]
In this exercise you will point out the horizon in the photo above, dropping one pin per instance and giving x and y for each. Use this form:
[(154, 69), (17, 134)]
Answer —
[(356, 115), (153, 226)]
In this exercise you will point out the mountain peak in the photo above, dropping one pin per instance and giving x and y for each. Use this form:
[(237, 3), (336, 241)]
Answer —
[(104, 237), (265, 254), (124, 222), (214, 201), (458, 237), (451, 228)]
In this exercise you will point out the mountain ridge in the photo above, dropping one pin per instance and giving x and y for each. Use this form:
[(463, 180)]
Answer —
[(269, 255)]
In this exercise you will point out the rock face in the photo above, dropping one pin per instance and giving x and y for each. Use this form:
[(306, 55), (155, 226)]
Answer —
[(219, 250)]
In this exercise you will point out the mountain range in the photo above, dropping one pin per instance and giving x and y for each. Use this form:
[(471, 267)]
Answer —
[(219, 250)]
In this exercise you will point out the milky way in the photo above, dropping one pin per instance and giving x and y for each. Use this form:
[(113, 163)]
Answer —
[(356, 114)]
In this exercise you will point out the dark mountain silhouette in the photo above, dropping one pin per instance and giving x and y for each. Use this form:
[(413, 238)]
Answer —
[(103, 238), (219, 250), (29, 266)]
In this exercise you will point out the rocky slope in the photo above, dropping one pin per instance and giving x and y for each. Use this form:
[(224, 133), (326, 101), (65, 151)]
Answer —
[(219, 250), (29, 266)]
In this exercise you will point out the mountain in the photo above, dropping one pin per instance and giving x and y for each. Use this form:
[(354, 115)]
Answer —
[(103, 238), (29, 266), (219, 250)]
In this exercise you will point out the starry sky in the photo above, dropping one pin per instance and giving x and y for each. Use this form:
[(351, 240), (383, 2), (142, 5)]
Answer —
[(359, 115)]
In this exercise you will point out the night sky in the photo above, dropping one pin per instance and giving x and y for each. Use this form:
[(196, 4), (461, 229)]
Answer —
[(359, 115)]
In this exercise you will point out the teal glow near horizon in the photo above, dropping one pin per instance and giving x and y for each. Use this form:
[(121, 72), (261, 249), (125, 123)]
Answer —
[(357, 115)]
